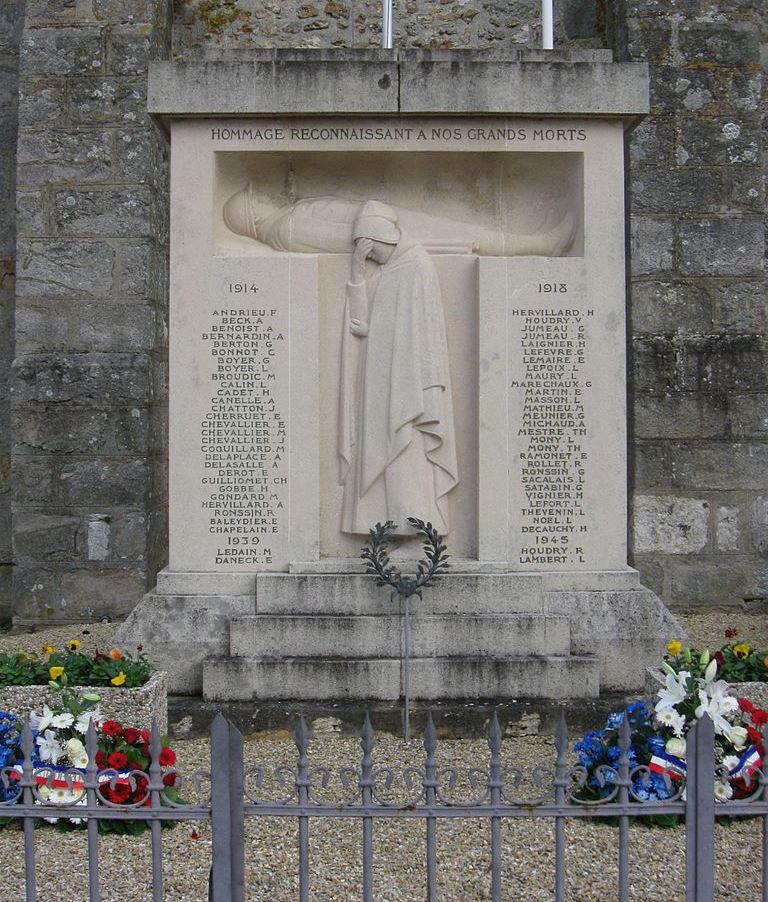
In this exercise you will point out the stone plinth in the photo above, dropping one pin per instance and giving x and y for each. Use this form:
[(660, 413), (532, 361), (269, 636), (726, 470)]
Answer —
[(483, 342)]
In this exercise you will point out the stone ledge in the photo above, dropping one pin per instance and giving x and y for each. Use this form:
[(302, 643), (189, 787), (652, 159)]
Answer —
[(531, 83), (132, 707)]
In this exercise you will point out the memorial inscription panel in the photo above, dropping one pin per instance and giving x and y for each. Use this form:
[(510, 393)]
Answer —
[(525, 200)]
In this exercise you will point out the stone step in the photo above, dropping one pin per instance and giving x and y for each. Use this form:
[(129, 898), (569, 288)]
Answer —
[(249, 678), (361, 636), (456, 593)]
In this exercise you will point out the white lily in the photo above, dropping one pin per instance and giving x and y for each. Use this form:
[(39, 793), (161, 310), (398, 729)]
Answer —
[(711, 671), (49, 747), (41, 722), (675, 690), (717, 705)]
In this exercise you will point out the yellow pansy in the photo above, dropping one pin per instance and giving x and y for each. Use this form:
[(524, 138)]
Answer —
[(55, 672), (73, 645), (674, 647), (46, 649), (741, 651), (119, 679)]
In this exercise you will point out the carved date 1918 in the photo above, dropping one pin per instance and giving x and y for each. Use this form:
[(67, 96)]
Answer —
[(553, 287)]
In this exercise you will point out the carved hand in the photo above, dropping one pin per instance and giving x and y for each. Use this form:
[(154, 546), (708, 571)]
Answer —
[(358, 327), (363, 248)]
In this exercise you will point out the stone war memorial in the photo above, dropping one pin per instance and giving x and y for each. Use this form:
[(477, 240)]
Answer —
[(264, 284), (397, 289)]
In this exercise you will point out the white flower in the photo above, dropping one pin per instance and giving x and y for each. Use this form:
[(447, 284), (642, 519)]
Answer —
[(49, 747), (41, 722), (674, 692), (730, 761), (671, 718), (676, 747), (60, 796), (723, 791), (63, 720), (77, 753), (717, 704), (709, 673), (81, 724), (738, 736)]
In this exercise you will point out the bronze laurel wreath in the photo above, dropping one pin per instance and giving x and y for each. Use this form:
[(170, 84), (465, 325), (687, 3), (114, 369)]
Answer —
[(434, 563)]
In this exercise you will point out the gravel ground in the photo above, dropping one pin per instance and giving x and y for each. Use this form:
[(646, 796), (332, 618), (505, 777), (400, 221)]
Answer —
[(657, 857)]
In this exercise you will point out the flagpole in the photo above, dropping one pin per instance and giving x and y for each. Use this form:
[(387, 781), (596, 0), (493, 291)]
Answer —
[(547, 28), (386, 23)]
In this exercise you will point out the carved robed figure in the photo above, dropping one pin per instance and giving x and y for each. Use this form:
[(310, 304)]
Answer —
[(396, 438)]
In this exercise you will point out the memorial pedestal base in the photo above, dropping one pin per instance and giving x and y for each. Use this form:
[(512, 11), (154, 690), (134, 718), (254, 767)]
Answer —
[(489, 635)]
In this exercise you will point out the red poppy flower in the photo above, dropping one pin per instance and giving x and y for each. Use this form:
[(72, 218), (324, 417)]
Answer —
[(746, 705), (101, 760), (111, 728), (759, 717), (169, 779), (118, 760), (167, 756), (144, 735), (753, 734), (120, 794), (131, 735)]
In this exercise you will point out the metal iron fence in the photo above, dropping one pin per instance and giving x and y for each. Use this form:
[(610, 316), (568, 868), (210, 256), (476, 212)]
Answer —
[(370, 792)]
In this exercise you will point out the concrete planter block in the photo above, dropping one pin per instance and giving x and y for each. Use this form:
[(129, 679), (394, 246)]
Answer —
[(131, 707)]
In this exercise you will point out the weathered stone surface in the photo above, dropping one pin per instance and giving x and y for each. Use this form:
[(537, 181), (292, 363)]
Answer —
[(84, 327), (62, 51), (106, 101), (720, 466), (669, 524), (107, 481), (128, 536), (30, 214), (51, 156), (129, 49), (120, 212), (714, 582), (65, 269), (42, 102), (721, 247), (663, 308), (98, 537), (719, 142), (99, 377), (741, 307), (748, 415), (93, 593), (728, 532), (34, 481), (759, 524), (45, 537), (125, 11), (139, 154), (655, 190), (68, 428), (678, 416), (651, 465), (728, 44), (652, 245)]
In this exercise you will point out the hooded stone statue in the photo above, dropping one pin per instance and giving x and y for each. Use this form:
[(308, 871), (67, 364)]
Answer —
[(396, 438)]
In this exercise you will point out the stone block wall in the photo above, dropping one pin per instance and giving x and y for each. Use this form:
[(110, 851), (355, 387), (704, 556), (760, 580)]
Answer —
[(88, 422), (208, 28), (11, 17), (699, 383)]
